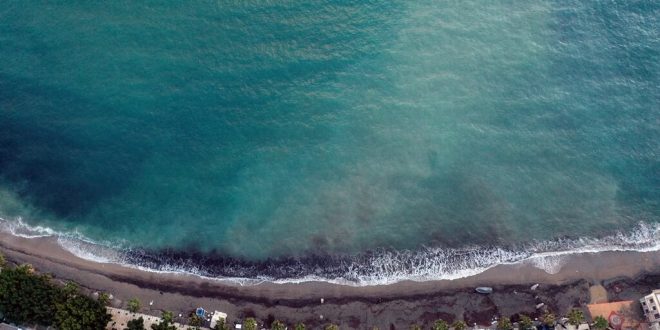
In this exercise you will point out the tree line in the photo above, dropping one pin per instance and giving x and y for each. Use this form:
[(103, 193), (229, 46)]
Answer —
[(524, 322), (30, 298)]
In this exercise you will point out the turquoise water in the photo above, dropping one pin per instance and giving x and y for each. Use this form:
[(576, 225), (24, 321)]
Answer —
[(256, 130)]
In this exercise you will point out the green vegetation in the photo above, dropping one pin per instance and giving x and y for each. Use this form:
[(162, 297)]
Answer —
[(504, 323), (70, 289), (163, 325), (459, 325), (195, 320), (331, 326), (29, 298), (3, 262), (167, 316), (81, 312), (601, 323), (136, 324), (134, 305), (104, 298), (250, 324), (26, 298), (221, 325), (525, 323), (440, 325), (549, 319), (166, 323), (575, 317), (277, 325)]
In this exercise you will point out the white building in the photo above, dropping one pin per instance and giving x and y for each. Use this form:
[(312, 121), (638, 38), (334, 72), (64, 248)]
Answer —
[(216, 317), (651, 306)]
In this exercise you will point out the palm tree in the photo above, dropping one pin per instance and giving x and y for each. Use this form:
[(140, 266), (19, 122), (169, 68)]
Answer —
[(575, 317), (165, 323), (440, 325), (549, 319), (134, 305), (136, 324), (601, 323), (459, 325), (221, 325), (504, 323), (104, 298), (250, 324), (525, 322), (331, 326), (167, 316), (300, 326), (277, 325)]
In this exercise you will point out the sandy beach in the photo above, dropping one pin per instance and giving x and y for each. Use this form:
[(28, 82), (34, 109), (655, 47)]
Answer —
[(626, 275)]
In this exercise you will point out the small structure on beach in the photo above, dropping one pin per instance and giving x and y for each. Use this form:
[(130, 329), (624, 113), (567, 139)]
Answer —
[(484, 289)]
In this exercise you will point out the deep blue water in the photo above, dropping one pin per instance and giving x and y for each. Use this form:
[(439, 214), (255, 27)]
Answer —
[(256, 130)]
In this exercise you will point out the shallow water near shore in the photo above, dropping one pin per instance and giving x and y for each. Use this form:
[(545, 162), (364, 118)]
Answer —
[(368, 142)]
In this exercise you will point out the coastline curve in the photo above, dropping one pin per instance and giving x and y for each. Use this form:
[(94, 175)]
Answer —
[(380, 267)]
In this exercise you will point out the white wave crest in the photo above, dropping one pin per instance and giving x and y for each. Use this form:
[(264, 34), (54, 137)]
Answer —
[(88, 250), (19, 228), (550, 264), (384, 267)]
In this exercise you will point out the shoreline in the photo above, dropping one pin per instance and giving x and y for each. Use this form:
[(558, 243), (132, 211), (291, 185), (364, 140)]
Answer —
[(371, 268), (352, 306)]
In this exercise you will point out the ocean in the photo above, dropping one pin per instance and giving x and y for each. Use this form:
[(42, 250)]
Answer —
[(355, 141)]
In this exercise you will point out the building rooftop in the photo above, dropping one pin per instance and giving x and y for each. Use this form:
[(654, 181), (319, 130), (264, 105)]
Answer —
[(619, 311)]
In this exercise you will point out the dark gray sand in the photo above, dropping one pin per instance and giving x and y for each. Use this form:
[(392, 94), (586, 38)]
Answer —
[(625, 275)]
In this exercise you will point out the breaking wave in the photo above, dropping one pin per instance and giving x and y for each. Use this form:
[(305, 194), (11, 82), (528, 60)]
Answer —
[(370, 268)]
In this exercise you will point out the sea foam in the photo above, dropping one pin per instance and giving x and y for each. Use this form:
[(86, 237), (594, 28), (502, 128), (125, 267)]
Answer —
[(374, 268)]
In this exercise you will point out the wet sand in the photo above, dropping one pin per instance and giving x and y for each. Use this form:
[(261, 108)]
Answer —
[(625, 275)]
